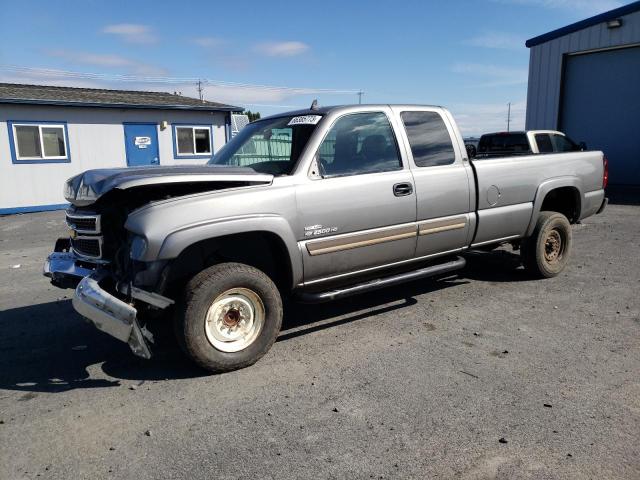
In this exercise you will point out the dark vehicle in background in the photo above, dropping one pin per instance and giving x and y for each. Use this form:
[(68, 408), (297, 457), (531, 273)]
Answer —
[(525, 143)]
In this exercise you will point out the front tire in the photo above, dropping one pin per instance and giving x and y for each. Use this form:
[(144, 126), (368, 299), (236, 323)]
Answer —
[(546, 252), (229, 318)]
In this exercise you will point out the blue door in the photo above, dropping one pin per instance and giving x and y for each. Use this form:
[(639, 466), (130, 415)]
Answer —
[(601, 106), (141, 143)]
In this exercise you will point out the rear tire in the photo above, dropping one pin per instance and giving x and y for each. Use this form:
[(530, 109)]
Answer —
[(546, 252), (229, 318)]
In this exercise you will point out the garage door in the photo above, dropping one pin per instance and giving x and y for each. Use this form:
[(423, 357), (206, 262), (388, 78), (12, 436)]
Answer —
[(601, 106)]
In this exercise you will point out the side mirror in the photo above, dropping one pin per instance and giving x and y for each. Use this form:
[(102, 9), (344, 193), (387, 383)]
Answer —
[(471, 151), (583, 146)]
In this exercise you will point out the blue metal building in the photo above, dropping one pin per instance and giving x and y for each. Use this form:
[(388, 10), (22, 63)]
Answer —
[(584, 79)]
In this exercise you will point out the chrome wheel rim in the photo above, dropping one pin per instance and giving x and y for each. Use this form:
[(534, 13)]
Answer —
[(553, 246), (234, 320)]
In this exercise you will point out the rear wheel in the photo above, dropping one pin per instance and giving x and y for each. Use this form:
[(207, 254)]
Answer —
[(546, 252), (230, 316)]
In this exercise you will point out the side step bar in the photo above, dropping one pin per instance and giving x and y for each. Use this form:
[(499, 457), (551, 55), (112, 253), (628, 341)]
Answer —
[(433, 270)]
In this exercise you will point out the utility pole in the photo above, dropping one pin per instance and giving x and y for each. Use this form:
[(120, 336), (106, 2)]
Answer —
[(200, 90), (508, 116), (360, 93)]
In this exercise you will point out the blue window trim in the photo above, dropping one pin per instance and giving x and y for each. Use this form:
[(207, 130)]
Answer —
[(12, 146), (174, 135), (34, 208)]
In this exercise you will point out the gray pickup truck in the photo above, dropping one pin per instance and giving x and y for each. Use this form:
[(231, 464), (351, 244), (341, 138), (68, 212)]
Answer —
[(318, 204)]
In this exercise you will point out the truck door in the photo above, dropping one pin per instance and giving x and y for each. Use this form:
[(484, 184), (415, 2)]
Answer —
[(360, 212), (443, 182)]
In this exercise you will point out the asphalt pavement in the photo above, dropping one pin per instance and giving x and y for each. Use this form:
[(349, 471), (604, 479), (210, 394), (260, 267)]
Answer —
[(485, 374)]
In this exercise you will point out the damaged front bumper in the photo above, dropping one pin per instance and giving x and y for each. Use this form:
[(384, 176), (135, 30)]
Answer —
[(109, 314), (104, 310)]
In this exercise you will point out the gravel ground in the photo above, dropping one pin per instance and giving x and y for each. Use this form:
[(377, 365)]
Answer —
[(419, 381)]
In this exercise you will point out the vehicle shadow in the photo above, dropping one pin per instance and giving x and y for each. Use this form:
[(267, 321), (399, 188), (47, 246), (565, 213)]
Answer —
[(48, 347), (496, 266)]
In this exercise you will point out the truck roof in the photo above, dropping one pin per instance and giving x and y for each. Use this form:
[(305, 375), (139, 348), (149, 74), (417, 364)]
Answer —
[(331, 108), (521, 132)]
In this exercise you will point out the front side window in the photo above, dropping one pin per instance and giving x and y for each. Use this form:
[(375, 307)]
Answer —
[(39, 142), (272, 145), (544, 143), (563, 144), (429, 139), (192, 141), (359, 143)]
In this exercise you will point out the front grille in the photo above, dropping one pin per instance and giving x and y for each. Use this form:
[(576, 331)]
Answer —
[(84, 223), (90, 247)]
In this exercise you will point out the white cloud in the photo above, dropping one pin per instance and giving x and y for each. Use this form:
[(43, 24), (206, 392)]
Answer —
[(492, 75), (107, 61), (281, 49), (476, 119), (208, 42), (131, 32), (590, 7), (500, 40)]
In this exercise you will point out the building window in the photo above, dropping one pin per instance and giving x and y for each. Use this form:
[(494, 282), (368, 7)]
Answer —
[(192, 141), (38, 142)]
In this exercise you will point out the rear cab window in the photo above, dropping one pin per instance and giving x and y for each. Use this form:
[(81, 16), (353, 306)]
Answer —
[(429, 138)]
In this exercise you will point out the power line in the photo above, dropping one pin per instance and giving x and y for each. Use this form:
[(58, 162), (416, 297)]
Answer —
[(168, 80)]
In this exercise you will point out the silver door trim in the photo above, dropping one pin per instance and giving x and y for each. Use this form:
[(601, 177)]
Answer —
[(436, 225), (359, 239)]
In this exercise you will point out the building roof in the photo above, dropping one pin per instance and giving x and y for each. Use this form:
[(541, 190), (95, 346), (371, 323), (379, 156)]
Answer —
[(574, 27), (101, 97)]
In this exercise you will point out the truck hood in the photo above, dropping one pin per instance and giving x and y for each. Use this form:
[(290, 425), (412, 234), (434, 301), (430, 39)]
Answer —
[(88, 187)]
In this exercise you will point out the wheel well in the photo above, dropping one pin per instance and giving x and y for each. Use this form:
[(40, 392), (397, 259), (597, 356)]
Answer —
[(565, 200), (262, 250)]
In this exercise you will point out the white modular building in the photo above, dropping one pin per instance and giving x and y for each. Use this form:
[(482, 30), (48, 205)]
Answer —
[(48, 134)]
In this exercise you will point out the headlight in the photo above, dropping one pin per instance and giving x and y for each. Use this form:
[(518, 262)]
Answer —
[(138, 247)]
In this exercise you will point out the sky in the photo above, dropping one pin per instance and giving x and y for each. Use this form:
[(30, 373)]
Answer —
[(466, 55)]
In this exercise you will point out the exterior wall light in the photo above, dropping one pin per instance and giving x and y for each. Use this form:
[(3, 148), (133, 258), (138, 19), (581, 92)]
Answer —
[(617, 23)]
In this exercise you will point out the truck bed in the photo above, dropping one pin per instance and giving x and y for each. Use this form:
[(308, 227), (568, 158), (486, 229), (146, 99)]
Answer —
[(508, 187)]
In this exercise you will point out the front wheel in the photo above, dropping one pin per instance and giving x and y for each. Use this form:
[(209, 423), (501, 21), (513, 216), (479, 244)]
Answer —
[(230, 317), (546, 252)]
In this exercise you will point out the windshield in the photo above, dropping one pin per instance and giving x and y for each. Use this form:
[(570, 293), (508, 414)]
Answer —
[(269, 146)]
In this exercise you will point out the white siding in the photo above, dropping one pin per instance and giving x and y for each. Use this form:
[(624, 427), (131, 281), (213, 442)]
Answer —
[(546, 62), (96, 140)]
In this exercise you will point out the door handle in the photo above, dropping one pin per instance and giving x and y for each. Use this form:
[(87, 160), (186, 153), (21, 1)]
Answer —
[(402, 189)]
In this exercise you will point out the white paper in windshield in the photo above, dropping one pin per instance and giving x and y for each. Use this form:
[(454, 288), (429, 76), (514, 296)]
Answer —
[(305, 120)]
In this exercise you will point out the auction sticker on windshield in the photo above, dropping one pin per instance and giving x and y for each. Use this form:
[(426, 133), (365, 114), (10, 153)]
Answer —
[(305, 120)]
